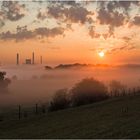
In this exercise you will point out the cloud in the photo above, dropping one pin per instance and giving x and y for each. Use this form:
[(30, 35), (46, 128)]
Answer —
[(132, 48), (114, 18), (72, 14), (105, 35), (108, 14), (117, 13), (2, 18), (42, 14), (46, 32), (124, 5), (136, 20), (112, 5), (117, 49), (92, 32), (13, 10), (126, 39), (23, 34), (78, 14)]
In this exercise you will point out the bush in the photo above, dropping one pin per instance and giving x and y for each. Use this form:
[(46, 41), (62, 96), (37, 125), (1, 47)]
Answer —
[(4, 82), (59, 101), (88, 91)]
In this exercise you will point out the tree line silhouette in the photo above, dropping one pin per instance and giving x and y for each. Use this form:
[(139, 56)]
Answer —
[(89, 90)]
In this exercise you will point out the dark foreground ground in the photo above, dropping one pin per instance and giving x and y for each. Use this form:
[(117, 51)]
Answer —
[(115, 118)]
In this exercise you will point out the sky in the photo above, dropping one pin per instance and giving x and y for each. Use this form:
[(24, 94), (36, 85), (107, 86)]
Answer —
[(70, 31)]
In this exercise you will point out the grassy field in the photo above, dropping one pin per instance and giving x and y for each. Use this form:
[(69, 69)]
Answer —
[(114, 118)]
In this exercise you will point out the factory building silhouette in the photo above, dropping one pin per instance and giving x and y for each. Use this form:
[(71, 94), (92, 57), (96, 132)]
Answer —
[(40, 59), (17, 58), (28, 61), (33, 58)]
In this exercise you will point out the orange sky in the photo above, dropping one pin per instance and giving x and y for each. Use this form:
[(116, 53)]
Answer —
[(79, 37)]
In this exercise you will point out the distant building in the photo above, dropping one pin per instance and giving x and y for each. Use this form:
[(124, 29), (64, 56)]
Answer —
[(40, 59), (33, 58), (28, 61), (17, 59)]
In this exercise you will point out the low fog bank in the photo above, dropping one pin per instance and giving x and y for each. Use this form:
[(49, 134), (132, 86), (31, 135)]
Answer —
[(34, 84)]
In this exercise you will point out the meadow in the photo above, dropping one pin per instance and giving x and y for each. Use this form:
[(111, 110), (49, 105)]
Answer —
[(114, 118)]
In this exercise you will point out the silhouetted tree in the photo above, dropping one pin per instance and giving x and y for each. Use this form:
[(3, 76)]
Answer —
[(88, 91), (59, 101), (4, 82), (116, 88)]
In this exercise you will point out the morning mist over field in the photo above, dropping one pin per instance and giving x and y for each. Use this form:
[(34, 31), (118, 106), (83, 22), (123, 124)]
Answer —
[(35, 84)]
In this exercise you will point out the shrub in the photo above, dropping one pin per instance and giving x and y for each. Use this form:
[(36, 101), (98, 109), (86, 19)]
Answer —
[(4, 82), (59, 101), (88, 91)]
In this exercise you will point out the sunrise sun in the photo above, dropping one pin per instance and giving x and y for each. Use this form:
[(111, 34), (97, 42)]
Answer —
[(101, 54)]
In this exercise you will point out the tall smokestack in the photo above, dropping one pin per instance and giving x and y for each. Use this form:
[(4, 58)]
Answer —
[(17, 59), (33, 58), (40, 59)]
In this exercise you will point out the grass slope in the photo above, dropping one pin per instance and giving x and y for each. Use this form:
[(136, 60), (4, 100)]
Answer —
[(101, 120)]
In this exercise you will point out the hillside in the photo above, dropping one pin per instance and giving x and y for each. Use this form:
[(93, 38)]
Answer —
[(115, 118)]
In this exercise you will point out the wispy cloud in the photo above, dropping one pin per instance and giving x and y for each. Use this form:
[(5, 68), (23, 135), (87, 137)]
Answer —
[(23, 33)]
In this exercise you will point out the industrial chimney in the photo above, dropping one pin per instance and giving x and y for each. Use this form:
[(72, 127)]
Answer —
[(33, 58), (17, 59), (40, 59)]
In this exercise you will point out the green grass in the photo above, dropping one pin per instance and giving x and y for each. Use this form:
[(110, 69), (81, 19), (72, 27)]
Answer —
[(101, 120)]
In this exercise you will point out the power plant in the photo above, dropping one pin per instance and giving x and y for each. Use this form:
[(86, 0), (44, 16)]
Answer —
[(40, 59), (17, 59), (33, 58), (28, 60)]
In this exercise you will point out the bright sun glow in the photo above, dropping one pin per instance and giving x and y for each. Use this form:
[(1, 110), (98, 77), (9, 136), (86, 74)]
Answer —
[(101, 54)]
